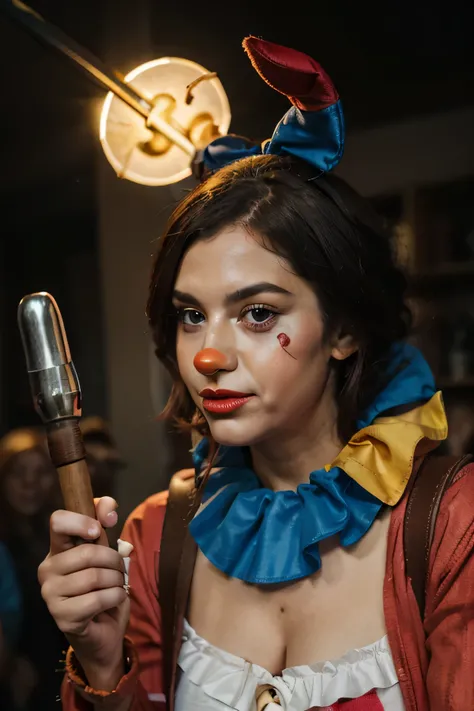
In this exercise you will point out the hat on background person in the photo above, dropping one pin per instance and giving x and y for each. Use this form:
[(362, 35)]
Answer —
[(99, 441), (102, 455)]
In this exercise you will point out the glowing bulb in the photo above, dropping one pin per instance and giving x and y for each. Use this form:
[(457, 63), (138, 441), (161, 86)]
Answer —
[(189, 104)]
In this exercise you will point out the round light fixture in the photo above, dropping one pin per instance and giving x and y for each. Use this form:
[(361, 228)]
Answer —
[(189, 109)]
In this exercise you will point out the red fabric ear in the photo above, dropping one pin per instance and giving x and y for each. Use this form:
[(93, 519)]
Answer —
[(292, 73)]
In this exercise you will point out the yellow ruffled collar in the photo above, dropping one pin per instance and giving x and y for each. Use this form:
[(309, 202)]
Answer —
[(380, 457)]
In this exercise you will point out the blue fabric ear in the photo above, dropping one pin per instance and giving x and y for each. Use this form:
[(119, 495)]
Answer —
[(228, 149), (317, 137)]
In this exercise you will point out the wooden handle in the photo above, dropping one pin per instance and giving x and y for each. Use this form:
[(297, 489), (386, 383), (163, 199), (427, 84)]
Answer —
[(76, 488), (68, 455)]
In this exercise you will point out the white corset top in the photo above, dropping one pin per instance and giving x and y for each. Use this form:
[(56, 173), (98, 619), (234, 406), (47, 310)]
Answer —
[(214, 680)]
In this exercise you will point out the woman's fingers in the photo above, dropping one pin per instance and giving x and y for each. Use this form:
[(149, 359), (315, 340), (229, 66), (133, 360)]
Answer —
[(73, 614), (66, 527), (83, 582), (106, 511), (79, 558)]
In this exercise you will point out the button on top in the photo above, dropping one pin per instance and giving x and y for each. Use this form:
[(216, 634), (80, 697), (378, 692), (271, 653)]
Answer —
[(267, 699)]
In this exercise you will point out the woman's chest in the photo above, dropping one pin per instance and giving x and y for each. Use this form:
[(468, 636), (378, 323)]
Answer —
[(321, 617)]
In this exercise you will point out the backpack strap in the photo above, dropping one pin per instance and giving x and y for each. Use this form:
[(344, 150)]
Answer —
[(176, 567), (434, 477)]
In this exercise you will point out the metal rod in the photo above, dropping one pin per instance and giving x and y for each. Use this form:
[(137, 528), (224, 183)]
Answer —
[(82, 57)]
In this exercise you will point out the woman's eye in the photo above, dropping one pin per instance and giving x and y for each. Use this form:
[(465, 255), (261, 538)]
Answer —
[(259, 317), (191, 317)]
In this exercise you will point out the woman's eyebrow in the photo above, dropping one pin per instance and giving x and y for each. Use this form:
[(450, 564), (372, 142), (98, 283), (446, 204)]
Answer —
[(239, 295), (253, 290), (185, 298)]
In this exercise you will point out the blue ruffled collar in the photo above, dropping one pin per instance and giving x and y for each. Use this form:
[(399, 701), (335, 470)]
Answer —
[(262, 536)]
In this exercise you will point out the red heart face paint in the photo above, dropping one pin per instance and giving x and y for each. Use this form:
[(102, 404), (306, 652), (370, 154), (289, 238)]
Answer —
[(285, 341)]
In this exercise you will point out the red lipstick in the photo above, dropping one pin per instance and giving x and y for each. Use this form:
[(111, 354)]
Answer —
[(221, 401)]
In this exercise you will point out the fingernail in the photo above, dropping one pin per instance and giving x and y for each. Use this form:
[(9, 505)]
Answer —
[(93, 531), (112, 518)]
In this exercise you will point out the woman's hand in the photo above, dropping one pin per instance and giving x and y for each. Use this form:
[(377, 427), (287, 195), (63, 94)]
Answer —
[(83, 588)]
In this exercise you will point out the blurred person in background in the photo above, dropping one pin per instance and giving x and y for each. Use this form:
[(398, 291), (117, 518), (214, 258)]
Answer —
[(10, 620), (102, 455), (28, 493)]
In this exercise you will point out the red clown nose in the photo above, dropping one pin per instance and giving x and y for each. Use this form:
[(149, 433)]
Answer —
[(209, 361)]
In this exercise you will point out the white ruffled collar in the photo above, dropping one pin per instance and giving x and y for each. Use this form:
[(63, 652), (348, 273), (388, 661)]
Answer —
[(233, 682)]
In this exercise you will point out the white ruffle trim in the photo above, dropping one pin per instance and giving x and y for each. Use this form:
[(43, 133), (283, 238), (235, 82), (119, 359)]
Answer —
[(233, 682)]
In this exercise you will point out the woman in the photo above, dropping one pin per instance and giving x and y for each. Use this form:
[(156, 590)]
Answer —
[(279, 312), (28, 494)]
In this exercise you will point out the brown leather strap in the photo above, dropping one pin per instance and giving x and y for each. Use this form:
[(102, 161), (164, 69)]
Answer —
[(176, 566), (433, 478)]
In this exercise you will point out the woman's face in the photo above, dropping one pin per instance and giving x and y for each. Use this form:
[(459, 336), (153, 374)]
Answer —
[(29, 482), (235, 296)]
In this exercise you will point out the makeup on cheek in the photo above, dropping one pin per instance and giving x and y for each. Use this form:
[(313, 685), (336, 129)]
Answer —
[(284, 342)]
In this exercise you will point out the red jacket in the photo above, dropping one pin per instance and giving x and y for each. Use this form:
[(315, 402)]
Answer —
[(435, 675)]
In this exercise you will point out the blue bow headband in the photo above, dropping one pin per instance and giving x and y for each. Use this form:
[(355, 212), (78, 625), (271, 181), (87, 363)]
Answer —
[(312, 130)]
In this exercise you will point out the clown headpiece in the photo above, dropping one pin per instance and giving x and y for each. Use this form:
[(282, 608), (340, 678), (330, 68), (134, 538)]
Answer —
[(312, 130)]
